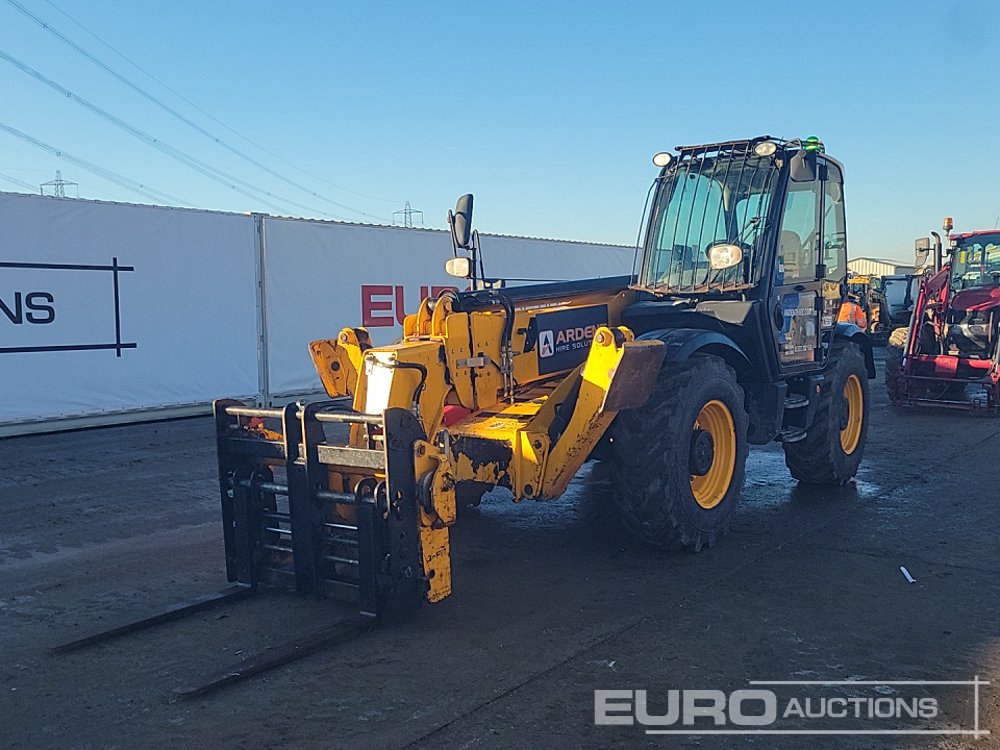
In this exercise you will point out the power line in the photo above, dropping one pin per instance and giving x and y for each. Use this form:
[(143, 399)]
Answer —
[(190, 123), (107, 174), (209, 171), (19, 183), (212, 117)]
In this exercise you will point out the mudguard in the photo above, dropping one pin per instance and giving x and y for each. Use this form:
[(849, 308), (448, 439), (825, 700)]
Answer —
[(683, 343), (851, 332)]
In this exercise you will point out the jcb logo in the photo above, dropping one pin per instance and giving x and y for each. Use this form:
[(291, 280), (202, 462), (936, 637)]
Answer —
[(546, 345)]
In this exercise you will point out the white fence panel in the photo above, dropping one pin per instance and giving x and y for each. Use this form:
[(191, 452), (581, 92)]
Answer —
[(322, 276), (111, 308)]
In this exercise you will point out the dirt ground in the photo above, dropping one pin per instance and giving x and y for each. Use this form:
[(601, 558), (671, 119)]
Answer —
[(551, 602)]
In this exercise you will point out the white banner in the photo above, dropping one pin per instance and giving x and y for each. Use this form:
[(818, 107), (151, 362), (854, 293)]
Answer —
[(323, 276), (111, 308)]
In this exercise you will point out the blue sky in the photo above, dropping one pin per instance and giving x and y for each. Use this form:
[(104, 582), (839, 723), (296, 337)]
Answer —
[(548, 112)]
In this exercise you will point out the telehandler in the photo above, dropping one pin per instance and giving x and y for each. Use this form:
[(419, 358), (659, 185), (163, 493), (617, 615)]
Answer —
[(726, 336)]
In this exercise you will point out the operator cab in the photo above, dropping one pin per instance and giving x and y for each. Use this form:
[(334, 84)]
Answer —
[(971, 329), (747, 238)]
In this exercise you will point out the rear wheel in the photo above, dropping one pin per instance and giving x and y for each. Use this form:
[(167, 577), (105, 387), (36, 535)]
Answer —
[(831, 451), (678, 461)]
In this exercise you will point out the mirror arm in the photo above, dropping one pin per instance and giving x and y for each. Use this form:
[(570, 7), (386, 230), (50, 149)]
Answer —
[(477, 257), (454, 237), (938, 255)]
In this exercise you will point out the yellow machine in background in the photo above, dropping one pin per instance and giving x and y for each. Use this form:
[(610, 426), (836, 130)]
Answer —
[(865, 305)]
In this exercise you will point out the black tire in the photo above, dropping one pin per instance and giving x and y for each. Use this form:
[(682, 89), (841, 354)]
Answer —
[(821, 457), (651, 456), (894, 351)]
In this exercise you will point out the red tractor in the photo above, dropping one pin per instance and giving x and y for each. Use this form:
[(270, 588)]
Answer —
[(949, 354)]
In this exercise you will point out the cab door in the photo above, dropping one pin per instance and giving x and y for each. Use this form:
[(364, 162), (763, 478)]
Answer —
[(811, 264), (798, 289)]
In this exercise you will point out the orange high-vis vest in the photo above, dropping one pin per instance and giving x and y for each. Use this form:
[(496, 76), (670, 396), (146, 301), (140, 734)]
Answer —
[(851, 312)]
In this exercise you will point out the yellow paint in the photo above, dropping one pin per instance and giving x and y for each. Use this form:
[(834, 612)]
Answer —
[(590, 419), (458, 348), (435, 548), (486, 332), (338, 361), (850, 436), (462, 355), (405, 381), (710, 489)]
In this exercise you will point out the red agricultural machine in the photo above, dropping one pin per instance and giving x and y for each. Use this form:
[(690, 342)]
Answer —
[(948, 356)]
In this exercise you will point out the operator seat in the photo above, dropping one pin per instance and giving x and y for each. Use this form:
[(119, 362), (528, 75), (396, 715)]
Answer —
[(790, 252)]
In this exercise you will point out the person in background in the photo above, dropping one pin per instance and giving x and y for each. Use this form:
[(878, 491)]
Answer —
[(852, 312)]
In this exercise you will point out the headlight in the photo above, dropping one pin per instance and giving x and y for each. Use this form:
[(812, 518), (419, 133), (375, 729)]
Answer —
[(457, 267), (721, 257)]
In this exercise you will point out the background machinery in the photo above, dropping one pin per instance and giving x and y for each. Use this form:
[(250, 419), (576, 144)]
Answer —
[(726, 336), (899, 294), (948, 355), (866, 306)]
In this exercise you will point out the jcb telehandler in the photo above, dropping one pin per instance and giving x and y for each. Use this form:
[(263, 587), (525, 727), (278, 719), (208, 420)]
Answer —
[(727, 335)]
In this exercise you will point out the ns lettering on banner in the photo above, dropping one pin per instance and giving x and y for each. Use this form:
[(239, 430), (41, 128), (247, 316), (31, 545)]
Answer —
[(61, 307), (28, 308), (384, 305)]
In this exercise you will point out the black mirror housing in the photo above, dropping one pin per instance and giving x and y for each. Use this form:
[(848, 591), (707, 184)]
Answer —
[(921, 251), (461, 222), (802, 167)]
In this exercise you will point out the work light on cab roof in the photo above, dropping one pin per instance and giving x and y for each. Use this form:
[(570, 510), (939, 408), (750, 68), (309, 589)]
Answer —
[(765, 148), (662, 159)]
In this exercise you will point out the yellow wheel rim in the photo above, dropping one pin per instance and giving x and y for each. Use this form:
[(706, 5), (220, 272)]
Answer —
[(710, 488), (854, 397)]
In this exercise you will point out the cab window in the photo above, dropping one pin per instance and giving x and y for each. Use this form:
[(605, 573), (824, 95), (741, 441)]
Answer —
[(796, 240), (834, 226)]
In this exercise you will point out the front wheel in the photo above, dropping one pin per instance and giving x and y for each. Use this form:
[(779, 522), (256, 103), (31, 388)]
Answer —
[(679, 460), (834, 444), (894, 352)]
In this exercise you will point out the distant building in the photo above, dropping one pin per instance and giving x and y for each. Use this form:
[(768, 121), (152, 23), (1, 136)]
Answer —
[(878, 267)]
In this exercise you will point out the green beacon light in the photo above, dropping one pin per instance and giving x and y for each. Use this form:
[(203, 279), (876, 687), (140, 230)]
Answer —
[(812, 143)]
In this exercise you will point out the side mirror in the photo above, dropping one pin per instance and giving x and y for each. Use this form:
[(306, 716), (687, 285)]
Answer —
[(921, 249), (803, 166), (461, 222), (458, 267)]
